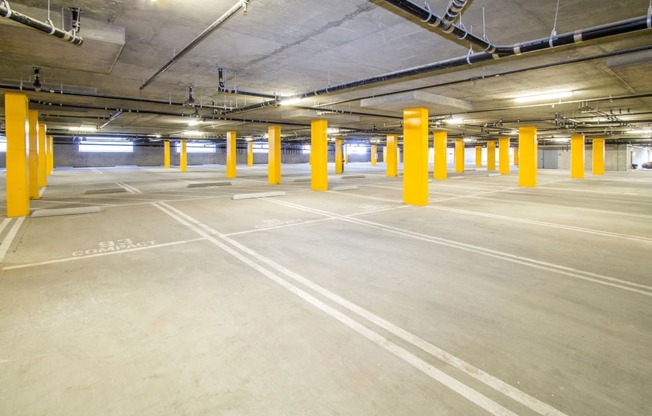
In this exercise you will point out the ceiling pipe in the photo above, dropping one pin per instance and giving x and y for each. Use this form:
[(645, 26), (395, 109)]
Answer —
[(203, 35), (111, 118), (594, 33), (235, 90), (46, 27), (440, 23)]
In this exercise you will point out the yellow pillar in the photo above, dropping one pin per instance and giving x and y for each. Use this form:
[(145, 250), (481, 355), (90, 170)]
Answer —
[(50, 155), (166, 154), (230, 154), (345, 151), (577, 156), (392, 155), (319, 155), (516, 156), (17, 156), (491, 155), (274, 155), (415, 156), (441, 169), (339, 159), (503, 161), (385, 154), (42, 156), (527, 173), (183, 157), (374, 154), (478, 156), (33, 154), (598, 156), (250, 153), (459, 155)]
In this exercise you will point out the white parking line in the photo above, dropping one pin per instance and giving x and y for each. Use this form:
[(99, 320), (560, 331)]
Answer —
[(9, 239)]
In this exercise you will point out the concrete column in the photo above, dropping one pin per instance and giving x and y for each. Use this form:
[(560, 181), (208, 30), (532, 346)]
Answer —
[(459, 155), (491, 155), (17, 156), (598, 156), (374, 154), (478, 156), (42, 156), (274, 155), (231, 156), (319, 155), (527, 173), (503, 160), (33, 155), (440, 171), (577, 156), (392, 155), (339, 157), (415, 156), (516, 156), (50, 155), (166, 154)]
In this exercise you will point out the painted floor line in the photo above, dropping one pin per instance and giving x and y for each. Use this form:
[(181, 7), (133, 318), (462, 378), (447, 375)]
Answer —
[(90, 256), (9, 238), (277, 227), (559, 269), (544, 224), (4, 224), (443, 378), (130, 188)]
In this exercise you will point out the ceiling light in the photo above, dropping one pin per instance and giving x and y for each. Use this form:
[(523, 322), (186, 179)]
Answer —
[(290, 101), (543, 97), (194, 122), (454, 120), (642, 131), (332, 130), (469, 140), (82, 128), (192, 133)]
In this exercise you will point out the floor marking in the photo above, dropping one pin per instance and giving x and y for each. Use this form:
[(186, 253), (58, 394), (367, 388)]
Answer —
[(448, 381), (129, 188), (9, 238), (90, 256), (544, 224), (227, 244), (526, 261), (257, 230), (4, 224), (96, 171)]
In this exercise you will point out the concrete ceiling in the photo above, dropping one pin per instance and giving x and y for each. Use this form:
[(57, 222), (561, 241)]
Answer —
[(286, 47)]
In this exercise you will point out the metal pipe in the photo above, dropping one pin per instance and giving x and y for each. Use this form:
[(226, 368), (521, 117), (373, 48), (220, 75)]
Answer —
[(47, 27), (225, 90), (454, 10), (111, 118), (427, 16), (203, 35)]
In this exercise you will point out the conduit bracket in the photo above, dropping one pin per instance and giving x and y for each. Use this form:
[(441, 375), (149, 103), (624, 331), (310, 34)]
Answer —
[(426, 6)]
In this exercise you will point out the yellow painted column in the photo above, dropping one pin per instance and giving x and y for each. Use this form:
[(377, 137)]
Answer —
[(345, 151), (503, 160), (491, 155), (527, 173), (374, 154), (385, 154), (231, 154), (274, 155), (339, 158), (250, 153), (459, 155), (415, 156), (478, 156), (50, 155), (183, 157), (42, 156), (598, 156), (33, 154), (17, 156), (577, 156), (392, 155), (319, 155), (516, 156), (440, 171), (166, 154)]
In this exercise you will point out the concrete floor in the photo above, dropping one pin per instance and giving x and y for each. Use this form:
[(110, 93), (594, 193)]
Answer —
[(172, 300)]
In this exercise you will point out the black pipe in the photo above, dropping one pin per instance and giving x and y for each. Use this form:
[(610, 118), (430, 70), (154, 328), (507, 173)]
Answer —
[(224, 89), (454, 10), (203, 35), (439, 23), (111, 118), (46, 27)]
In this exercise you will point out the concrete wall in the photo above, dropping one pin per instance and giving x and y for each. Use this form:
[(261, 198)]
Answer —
[(617, 157)]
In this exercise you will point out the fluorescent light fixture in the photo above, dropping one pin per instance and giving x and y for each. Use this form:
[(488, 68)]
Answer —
[(543, 97), (192, 133), (561, 139), (469, 140), (194, 122), (514, 132), (290, 101), (454, 120), (332, 130), (82, 128), (642, 131)]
